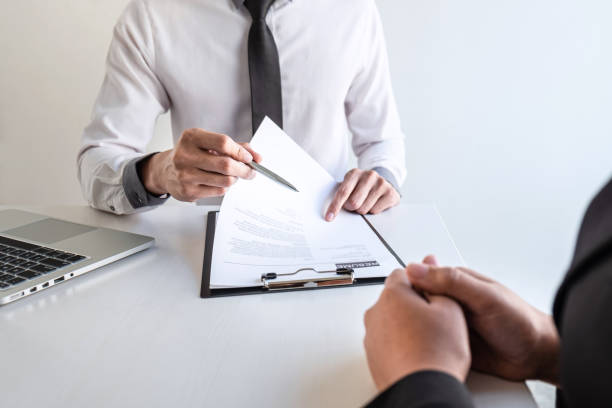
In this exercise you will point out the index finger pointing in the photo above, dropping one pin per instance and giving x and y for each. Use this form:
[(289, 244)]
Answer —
[(221, 144), (342, 194)]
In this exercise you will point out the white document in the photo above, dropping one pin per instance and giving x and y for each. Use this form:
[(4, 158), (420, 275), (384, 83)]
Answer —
[(265, 227)]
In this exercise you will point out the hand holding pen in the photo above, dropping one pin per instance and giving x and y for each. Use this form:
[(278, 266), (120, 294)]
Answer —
[(202, 164)]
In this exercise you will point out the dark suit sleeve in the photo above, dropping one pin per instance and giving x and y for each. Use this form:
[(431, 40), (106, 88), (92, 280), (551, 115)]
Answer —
[(425, 389), (586, 339), (583, 312)]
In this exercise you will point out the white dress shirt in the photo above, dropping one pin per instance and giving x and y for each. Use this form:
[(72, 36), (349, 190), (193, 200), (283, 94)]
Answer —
[(189, 57)]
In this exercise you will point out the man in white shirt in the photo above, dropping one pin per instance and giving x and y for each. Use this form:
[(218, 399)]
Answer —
[(318, 68)]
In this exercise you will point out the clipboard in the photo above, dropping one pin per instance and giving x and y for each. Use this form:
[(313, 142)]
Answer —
[(326, 279)]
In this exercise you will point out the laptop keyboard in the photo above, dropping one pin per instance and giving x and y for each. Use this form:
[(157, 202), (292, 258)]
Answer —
[(20, 261)]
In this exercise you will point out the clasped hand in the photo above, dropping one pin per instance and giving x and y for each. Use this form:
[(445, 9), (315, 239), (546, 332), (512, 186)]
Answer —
[(464, 319)]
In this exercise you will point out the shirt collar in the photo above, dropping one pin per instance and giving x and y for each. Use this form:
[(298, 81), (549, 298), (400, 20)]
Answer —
[(239, 3)]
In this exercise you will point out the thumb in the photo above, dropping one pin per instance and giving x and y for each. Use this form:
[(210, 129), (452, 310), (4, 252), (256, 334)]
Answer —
[(451, 282), (256, 156), (430, 260)]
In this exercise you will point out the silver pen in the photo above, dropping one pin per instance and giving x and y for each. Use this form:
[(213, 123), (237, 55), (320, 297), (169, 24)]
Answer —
[(271, 175)]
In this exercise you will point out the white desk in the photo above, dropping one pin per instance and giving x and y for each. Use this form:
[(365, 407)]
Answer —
[(136, 333)]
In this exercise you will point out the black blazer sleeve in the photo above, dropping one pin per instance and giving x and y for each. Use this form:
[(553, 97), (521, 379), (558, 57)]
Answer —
[(425, 389), (583, 312)]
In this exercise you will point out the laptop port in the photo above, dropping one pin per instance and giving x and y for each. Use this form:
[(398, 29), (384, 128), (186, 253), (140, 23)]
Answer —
[(32, 290), (58, 280), (16, 295), (45, 285)]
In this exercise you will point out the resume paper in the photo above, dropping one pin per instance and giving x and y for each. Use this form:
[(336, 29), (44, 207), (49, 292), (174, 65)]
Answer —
[(264, 227)]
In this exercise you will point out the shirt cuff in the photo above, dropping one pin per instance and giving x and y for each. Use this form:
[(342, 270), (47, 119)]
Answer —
[(386, 174), (134, 189), (425, 389)]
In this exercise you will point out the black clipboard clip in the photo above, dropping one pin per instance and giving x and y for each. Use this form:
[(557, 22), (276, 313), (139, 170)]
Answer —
[(336, 277)]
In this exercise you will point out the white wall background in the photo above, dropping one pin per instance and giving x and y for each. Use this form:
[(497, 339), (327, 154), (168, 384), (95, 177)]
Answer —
[(508, 110), (507, 106)]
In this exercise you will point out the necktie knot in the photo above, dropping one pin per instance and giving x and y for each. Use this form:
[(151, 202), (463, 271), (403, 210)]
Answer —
[(258, 8)]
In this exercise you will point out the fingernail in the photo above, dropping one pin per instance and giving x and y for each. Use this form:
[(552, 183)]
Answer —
[(417, 271), (252, 174), (246, 156), (329, 216)]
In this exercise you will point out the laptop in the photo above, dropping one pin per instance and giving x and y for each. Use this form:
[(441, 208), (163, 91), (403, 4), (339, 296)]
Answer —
[(38, 252)]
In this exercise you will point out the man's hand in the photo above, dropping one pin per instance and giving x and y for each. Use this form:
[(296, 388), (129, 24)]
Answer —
[(363, 192), (203, 164), (509, 338), (406, 334)]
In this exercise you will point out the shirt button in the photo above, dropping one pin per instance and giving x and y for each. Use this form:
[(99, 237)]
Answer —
[(112, 208)]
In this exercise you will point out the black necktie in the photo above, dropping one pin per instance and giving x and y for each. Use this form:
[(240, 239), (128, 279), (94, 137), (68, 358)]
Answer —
[(264, 70)]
